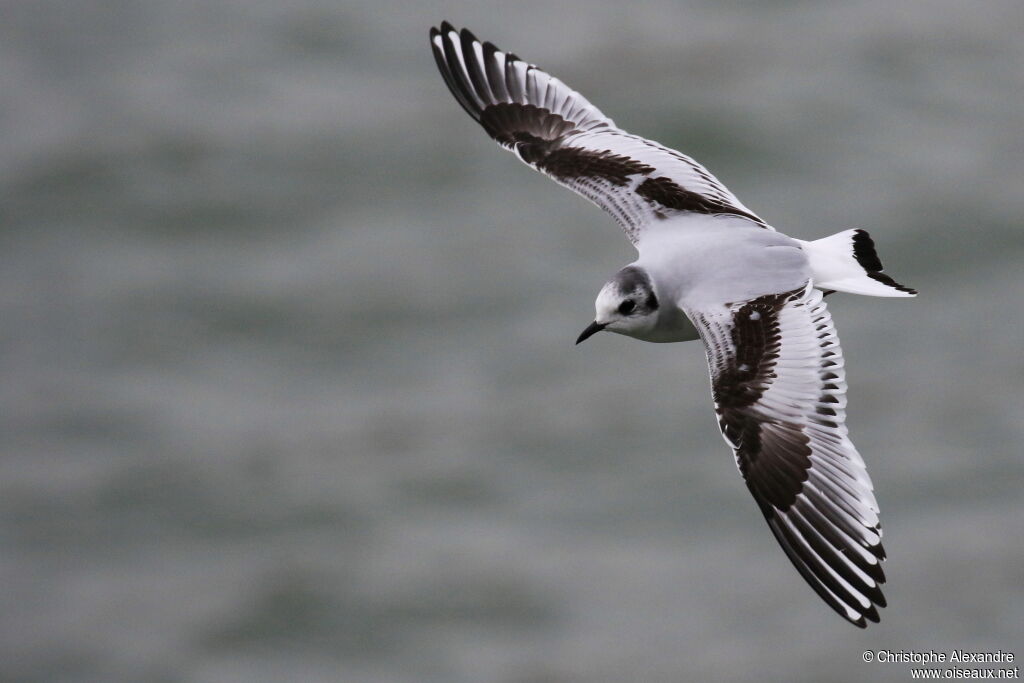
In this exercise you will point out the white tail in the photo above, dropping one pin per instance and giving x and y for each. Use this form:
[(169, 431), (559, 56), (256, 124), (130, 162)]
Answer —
[(847, 262)]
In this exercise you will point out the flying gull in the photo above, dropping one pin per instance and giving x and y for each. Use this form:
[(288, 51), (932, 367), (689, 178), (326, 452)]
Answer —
[(709, 268)]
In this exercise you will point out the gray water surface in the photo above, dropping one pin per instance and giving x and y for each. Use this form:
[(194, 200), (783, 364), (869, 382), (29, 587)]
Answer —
[(289, 391)]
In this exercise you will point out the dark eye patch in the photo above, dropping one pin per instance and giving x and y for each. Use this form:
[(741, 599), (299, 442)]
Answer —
[(627, 307)]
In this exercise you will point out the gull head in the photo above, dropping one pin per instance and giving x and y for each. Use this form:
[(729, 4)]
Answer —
[(626, 305)]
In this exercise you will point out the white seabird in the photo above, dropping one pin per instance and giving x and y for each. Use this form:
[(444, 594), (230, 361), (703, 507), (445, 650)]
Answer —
[(710, 268)]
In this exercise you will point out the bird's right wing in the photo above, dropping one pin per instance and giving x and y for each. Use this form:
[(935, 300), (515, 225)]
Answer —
[(557, 131), (780, 393)]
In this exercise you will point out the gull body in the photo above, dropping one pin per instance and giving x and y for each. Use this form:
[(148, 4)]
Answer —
[(709, 268), (694, 262)]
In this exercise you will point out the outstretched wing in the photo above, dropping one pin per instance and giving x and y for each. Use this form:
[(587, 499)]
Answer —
[(557, 131), (779, 390)]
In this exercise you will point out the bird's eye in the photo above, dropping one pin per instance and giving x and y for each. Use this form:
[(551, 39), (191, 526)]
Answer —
[(627, 307)]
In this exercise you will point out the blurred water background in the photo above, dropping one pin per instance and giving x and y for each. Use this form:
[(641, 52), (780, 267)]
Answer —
[(288, 384)]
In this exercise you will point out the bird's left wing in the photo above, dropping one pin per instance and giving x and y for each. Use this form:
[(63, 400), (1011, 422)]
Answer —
[(557, 131), (780, 393)]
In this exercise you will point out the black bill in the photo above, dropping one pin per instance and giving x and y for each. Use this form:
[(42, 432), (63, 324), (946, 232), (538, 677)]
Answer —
[(592, 329)]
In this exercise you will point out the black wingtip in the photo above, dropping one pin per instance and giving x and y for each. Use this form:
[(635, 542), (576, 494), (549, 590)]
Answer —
[(871, 614), (448, 64), (474, 69)]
